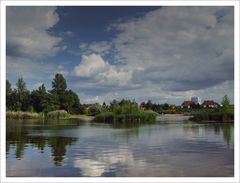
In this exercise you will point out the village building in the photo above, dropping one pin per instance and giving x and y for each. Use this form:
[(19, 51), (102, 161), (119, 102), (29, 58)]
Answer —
[(210, 104), (187, 104)]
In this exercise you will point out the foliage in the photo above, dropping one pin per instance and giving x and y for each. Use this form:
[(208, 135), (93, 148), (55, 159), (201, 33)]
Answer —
[(125, 111), (226, 105), (58, 114), (59, 84), (40, 100), (226, 113), (94, 110)]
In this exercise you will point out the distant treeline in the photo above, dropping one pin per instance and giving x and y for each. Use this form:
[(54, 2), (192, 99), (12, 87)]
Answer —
[(41, 100), (59, 101)]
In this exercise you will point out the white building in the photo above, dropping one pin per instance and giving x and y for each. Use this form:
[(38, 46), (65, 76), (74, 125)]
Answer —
[(196, 100)]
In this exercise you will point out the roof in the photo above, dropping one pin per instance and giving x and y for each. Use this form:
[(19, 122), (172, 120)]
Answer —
[(188, 103), (209, 102)]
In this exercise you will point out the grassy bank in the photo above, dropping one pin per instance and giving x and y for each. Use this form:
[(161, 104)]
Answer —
[(23, 115), (58, 114)]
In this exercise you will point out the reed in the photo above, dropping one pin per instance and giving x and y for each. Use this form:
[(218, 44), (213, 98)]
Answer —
[(134, 117), (23, 115)]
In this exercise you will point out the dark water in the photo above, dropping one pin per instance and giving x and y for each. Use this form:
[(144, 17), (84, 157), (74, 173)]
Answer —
[(75, 148)]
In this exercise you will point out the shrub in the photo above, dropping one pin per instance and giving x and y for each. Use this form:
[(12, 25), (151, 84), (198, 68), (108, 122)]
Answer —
[(58, 114), (134, 117)]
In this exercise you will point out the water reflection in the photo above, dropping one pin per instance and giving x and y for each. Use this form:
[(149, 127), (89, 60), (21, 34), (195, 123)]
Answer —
[(20, 136), (75, 148), (198, 130)]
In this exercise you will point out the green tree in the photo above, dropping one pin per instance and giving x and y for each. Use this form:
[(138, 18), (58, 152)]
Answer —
[(59, 84), (104, 107), (93, 110), (23, 99), (226, 104), (9, 93), (71, 102), (51, 103), (38, 98)]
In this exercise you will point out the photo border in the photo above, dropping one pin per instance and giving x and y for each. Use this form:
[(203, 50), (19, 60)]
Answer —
[(5, 3)]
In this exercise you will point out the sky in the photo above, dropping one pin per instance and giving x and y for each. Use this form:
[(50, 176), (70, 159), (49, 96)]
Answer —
[(164, 54)]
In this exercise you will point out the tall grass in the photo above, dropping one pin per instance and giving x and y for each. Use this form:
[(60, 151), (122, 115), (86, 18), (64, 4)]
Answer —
[(23, 115), (58, 114), (213, 116)]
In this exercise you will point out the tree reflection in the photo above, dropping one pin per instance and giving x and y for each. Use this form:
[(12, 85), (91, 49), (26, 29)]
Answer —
[(227, 133), (19, 136), (226, 130), (58, 145)]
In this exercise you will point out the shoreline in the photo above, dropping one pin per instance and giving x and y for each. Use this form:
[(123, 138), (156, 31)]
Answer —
[(81, 117), (174, 115)]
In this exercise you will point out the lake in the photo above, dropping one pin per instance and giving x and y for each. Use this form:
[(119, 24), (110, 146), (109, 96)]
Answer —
[(74, 148)]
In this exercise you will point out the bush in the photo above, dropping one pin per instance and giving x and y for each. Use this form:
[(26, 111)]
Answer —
[(58, 114), (137, 116), (22, 115), (93, 110)]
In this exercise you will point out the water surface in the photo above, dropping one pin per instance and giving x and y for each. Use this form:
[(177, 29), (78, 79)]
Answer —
[(74, 148)]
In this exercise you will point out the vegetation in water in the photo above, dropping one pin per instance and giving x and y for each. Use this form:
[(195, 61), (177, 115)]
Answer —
[(125, 111), (58, 114)]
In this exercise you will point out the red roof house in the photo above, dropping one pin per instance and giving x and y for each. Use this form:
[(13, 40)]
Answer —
[(187, 104), (210, 104)]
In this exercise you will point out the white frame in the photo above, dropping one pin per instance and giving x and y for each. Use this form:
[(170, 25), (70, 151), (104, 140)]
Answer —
[(234, 3)]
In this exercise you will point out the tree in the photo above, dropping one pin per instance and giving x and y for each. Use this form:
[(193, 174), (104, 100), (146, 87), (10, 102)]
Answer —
[(226, 104), (93, 110), (23, 99), (71, 102), (9, 91), (105, 108), (38, 98), (59, 84), (59, 87), (51, 103), (149, 105)]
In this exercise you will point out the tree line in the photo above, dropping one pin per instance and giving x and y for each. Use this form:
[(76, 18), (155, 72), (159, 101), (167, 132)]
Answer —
[(19, 98), (41, 100)]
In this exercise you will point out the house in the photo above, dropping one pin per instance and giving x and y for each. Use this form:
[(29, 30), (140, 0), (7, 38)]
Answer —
[(210, 104), (187, 104)]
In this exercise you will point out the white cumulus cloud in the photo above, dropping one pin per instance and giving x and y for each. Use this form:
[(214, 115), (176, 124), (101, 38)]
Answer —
[(101, 72), (90, 66)]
